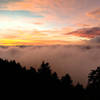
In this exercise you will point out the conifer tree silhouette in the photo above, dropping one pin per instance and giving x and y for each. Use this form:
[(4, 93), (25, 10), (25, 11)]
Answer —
[(93, 87), (46, 82), (66, 81)]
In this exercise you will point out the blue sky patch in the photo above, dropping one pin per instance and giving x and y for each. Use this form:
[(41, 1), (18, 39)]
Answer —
[(20, 13)]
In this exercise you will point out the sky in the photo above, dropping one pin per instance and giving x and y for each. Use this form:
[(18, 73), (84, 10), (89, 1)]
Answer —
[(65, 33), (48, 22)]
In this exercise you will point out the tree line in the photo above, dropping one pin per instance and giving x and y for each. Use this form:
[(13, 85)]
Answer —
[(43, 81)]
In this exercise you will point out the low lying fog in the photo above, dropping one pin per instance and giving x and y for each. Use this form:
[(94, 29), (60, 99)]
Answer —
[(75, 60)]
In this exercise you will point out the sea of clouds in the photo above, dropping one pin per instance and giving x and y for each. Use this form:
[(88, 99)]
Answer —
[(76, 60)]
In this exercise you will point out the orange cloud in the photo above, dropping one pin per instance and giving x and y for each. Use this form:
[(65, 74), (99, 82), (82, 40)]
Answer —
[(38, 23), (10, 36), (83, 25), (94, 14)]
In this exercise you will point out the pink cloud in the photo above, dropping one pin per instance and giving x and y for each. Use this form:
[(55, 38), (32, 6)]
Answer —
[(86, 32), (94, 14)]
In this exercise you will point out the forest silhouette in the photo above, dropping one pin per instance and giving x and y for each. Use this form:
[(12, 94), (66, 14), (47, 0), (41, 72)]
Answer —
[(44, 82)]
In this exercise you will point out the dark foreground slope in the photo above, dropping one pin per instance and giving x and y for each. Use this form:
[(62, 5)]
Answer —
[(44, 83)]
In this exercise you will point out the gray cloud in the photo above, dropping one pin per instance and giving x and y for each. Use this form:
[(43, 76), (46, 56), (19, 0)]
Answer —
[(95, 40), (4, 2), (75, 60), (7, 1)]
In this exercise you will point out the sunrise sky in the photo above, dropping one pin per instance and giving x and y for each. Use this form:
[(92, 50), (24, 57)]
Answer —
[(38, 22)]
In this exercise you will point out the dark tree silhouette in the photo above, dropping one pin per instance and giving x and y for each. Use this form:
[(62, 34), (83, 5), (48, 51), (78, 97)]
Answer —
[(66, 81), (93, 87), (44, 71), (44, 82), (94, 78), (80, 92)]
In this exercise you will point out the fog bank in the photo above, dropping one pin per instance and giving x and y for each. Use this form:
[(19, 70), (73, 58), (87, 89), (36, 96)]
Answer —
[(75, 60)]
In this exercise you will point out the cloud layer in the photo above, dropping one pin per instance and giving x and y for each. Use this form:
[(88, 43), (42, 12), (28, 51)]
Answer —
[(76, 60)]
